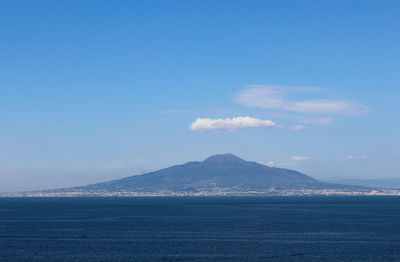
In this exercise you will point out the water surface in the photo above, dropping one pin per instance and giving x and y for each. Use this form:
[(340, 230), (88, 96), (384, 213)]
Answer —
[(200, 229)]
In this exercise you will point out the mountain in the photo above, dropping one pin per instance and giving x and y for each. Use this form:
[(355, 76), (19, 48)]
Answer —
[(218, 172), (224, 174)]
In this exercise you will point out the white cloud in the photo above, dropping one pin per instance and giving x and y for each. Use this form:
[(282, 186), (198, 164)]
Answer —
[(351, 157), (280, 164), (275, 97), (297, 128), (231, 124), (301, 119), (326, 107), (271, 163), (300, 158)]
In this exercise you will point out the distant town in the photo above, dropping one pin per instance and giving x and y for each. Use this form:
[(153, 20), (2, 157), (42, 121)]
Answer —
[(205, 193)]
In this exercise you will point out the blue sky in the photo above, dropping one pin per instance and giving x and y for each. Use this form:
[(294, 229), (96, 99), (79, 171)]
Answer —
[(96, 90)]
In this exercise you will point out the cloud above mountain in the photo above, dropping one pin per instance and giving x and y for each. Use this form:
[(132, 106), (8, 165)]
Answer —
[(231, 124), (278, 98), (237, 123), (300, 158), (352, 157)]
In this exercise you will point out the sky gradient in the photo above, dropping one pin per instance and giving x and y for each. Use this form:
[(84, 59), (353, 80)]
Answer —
[(98, 90)]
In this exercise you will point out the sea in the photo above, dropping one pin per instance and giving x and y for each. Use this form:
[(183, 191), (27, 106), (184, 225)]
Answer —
[(200, 229)]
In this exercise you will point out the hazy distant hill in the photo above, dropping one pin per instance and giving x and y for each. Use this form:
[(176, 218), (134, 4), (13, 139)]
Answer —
[(393, 183), (218, 171)]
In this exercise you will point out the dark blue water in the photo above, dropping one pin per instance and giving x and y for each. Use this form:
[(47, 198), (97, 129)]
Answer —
[(200, 229)]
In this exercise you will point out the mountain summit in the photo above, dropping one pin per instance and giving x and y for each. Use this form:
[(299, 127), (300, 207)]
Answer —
[(224, 158)]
